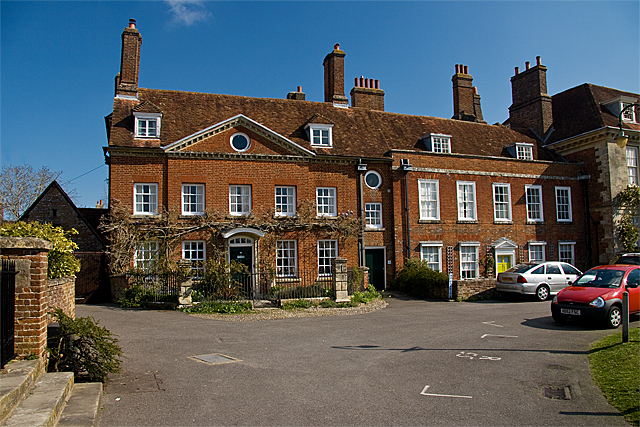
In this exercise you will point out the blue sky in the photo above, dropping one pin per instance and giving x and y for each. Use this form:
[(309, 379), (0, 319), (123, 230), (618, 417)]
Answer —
[(59, 59)]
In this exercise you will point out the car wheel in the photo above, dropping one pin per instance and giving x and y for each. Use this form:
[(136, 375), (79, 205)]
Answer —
[(614, 317), (559, 318), (542, 293)]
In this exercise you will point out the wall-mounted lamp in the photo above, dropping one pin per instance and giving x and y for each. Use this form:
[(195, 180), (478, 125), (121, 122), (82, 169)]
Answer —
[(622, 139)]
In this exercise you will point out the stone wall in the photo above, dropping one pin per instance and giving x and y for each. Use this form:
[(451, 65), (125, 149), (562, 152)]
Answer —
[(61, 294), (464, 289)]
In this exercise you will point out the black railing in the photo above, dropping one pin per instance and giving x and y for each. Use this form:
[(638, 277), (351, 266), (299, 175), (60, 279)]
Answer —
[(158, 287), (7, 310)]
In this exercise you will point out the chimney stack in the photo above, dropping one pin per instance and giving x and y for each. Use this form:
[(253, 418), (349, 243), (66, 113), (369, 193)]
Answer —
[(334, 77), (298, 95), (127, 79), (531, 105), (367, 94), (466, 101)]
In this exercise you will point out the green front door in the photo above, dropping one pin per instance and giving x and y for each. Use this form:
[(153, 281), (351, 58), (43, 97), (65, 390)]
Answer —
[(243, 255), (374, 259)]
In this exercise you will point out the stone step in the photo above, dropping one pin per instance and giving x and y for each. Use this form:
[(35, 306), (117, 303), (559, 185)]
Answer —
[(44, 402), (15, 380), (83, 406)]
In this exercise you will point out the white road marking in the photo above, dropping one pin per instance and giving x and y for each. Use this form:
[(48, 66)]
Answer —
[(474, 355), (424, 393), (492, 323), (499, 336)]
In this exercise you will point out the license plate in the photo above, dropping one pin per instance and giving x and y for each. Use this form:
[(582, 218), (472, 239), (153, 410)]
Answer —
[(507, 279), (570, 311)]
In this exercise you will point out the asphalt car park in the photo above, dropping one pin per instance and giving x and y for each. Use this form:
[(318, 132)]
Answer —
[(411, 363)]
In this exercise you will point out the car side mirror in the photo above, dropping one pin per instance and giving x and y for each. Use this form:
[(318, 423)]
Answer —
[(632, 285)]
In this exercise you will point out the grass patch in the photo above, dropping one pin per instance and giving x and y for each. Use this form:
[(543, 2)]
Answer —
[(614, 367)]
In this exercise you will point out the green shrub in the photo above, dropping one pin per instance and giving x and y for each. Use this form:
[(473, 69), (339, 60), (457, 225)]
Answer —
[(327, 303), (62, 263), (347, 304), (371, 294), (297, 304), (85, 348), (222, 279), (417, 279), (228, 307), (136, 296)]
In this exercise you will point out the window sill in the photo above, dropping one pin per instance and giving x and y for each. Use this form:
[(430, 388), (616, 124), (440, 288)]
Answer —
[(529, 222), (280, 216), (187, 216), (566, 222), (147, 138), (285, 279), (145, 215), (239, 215), (374, 229), (467, 221), (326, 217), (503, 222), (428, 221)]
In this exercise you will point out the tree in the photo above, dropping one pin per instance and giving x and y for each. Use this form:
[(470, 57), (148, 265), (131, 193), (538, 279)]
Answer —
[(20, 185)]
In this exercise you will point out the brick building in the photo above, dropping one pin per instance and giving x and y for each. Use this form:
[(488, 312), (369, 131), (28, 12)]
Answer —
[(469, 197)]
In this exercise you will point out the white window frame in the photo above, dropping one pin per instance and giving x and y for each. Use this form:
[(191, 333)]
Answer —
[(326, 201), (467, 206), (240, 134), (193, 202), (146, 118), (145, 200), (377, 175), (564, 211), (432, 258), (373, 215), (506, 204), (566, 245), (440, 143), (630, 114), (196, 252), (543, 250), (632, 165), (239, 199), (320, 135), (530, 203), (285, 202), (286, 258), (146, 256), (324, 261), (429, 199), (465, 263), (524, 151)]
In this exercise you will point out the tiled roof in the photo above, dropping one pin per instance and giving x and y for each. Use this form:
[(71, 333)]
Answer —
[(147, 107), (581, 109), (357, 132)]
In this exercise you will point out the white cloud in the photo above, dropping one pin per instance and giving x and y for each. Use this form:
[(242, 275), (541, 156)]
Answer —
[(188, 12)]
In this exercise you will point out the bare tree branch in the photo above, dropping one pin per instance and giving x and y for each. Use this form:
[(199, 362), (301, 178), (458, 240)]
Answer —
[(20, 185)]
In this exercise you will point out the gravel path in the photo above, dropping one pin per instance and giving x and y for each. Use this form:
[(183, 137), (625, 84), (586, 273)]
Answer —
[(277, 313)]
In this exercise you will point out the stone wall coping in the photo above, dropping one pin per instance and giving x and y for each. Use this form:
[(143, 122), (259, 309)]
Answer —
[(61, 281), (25, 243)]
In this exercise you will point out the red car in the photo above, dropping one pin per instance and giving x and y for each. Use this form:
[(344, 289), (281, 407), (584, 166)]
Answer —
[(597, 295)]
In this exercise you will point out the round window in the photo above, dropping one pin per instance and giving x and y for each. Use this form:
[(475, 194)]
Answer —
[(240, 142), (373, 179)]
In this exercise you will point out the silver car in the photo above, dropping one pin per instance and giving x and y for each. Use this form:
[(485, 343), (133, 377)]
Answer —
[(541, 280)]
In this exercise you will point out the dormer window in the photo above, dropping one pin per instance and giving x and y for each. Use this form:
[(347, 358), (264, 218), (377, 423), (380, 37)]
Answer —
[(438, 143), (617, 105), (147, 125), (320, 135), (630, 114), (524, 151)]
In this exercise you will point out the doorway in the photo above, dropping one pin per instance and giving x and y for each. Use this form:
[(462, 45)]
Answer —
[(375, 260), (504, 262), (242, 254)]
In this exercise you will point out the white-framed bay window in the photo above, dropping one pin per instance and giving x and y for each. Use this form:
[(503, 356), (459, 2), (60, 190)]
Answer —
[(469, 266), (195, 251), (566, 252), (145, 198), (287, 258), (537, 251), (285, 200), (327, 250), (239, 199), (533, 195), (326, 201), (429, 199), (501, 202), (431, 252), (146, 256), (192, 199), (467, 208), (373, 215), (563, 204)]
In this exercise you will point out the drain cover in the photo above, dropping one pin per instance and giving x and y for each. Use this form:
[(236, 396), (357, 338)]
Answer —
[(215, 359), (561, 393)]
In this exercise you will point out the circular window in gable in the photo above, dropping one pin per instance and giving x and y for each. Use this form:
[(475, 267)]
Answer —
[(373, 179), (240, 142)]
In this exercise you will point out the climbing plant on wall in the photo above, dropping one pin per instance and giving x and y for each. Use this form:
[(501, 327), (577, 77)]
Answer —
[(628, 202)]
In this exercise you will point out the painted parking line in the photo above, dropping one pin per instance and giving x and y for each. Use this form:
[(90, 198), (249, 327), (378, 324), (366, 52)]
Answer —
[(424, 393), (499, 336), (493, 323)]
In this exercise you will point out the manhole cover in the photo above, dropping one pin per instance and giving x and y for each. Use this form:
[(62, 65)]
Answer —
[(561, 393), (134, 383), (214, 359)]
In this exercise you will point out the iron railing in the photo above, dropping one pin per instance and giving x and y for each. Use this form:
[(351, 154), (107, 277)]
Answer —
[(158, 287), (7, 310)]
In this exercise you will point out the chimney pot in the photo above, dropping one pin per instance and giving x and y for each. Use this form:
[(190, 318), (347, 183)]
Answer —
[(538, 60), (526, 64), (132, 23), (336, 46), (356, 82), (299, 88), (457, 69), (517, 71), (466, 69), (361, 81), (371, 83), (377, 84)]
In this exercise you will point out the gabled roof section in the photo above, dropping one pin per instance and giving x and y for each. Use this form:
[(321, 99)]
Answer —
[(239, 120), (319, 119), (147, 107), (504, 243)]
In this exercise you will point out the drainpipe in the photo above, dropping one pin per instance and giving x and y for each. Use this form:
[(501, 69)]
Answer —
[(406, 168), (584, 179), (362, 168)]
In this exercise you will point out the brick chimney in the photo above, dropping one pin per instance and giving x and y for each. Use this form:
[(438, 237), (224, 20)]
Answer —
[(334, 77), (298, 95), (367, 94), (531, 105), (127, 79), (466, 101)]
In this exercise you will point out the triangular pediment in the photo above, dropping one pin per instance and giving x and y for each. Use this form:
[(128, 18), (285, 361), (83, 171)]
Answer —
[(239, 121), (504, 243)]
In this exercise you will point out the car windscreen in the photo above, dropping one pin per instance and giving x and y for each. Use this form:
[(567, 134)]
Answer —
[(600, 279), (521, 268), (633, 260)]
